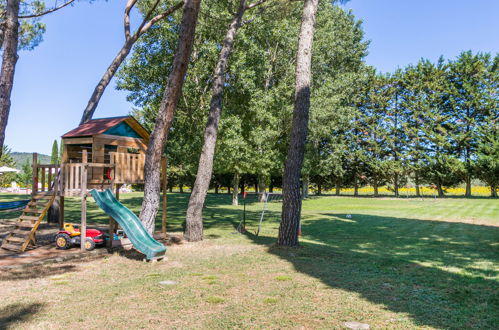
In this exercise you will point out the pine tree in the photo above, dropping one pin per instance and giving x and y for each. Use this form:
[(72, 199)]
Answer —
[(54, 159), (468, 98)]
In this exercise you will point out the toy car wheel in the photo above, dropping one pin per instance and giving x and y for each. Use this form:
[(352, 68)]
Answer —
[(63, 241), (89, 244)]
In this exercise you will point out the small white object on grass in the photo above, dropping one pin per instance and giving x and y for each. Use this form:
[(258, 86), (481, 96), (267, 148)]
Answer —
[(349, 216), (168, 282), (357, 325)]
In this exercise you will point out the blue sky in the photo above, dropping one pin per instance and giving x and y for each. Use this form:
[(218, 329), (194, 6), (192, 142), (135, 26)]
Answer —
[(54, 81)]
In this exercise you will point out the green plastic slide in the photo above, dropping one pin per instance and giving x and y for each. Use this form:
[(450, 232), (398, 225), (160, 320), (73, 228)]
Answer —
[(136, 232)]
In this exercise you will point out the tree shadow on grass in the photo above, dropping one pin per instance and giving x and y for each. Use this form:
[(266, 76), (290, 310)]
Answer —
[(439, 273), (34, 272), (14, 314)]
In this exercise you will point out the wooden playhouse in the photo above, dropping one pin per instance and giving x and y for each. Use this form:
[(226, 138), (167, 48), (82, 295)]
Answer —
[(103, 153)]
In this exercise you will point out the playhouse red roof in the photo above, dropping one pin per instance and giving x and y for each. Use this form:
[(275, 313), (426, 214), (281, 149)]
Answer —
[(101, 125)]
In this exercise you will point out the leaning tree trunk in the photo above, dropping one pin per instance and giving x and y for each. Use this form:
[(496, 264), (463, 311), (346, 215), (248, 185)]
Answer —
[(9, 60), (166, 113), (105, 80), (194, 217), (291, 206), (122, 54)]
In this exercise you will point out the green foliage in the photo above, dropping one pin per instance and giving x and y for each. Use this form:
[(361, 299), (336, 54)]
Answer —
[(423, 124), (7, 160), (30, 30), (21, 158), (25, 177), (54, 159)]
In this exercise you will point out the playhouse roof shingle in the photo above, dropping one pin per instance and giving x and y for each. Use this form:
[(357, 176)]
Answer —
[(101, 125)]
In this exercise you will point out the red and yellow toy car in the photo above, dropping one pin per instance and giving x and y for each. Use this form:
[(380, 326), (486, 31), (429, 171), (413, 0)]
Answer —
[(71, 236)]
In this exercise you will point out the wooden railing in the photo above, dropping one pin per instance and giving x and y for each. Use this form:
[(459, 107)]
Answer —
[(129, 167), (75, 178), (45, 177), (67, 178)]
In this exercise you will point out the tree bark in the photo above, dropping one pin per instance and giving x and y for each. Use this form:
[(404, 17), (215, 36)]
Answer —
[(122, 54), (166, 113), (194, 217), (375, 186), (416, 182), (493, 191), (468, 186), (440, 189), (396, 185), (338, 187), (305, 183), (291, 206), (262, 188), (105, 80), (235, 191), (355, 186), (9, 60), (319, 188)]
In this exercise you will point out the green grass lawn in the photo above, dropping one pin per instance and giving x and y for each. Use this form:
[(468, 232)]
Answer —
[(392, 263)]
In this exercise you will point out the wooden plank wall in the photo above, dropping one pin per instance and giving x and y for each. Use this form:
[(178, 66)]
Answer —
[(129, 167)]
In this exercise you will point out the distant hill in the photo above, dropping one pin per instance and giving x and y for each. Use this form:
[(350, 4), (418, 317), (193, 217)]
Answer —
[(21, 157)]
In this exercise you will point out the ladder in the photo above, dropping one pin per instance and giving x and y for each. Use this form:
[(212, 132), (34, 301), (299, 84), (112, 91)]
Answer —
[(27, 224)]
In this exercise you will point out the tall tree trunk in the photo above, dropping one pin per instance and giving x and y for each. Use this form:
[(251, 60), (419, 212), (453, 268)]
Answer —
[(440, 189), (319, 188), (416, 182), (305, 183), (166, 113), (338, 187), (468, 170), (241, 185), (181, 188), (396, 185), (355, 186), (194, 217), (216, 188), (493, 191), (235, 193), (375, 186), (291, 206), (262, 188), (468, 185), (9, 60)]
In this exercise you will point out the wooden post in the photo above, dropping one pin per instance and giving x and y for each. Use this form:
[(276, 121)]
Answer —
[(83, 227), (112, 223), (34, 178), (61, 194), (164, 217)]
